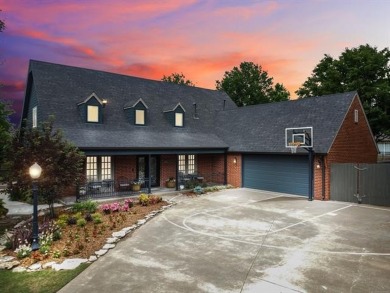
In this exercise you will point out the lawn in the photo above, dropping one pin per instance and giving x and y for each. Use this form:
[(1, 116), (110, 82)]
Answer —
[(45, 281)]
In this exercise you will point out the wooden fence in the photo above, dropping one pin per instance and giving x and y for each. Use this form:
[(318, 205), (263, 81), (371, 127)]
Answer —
[(368, 183)]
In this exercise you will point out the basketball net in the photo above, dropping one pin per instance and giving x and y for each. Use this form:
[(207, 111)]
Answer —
[(294, 146)]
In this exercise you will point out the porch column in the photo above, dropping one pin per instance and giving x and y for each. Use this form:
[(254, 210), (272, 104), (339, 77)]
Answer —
[(225, 169), (177, 172), (150, 177)]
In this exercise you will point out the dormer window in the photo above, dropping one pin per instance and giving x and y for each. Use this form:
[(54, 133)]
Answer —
[(140, 117), (179, 119), (92, 113), (91, 109), (175, 115), (136, 112)]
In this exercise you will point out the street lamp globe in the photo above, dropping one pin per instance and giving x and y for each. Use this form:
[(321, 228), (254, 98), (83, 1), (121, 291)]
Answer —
[(35, 171)]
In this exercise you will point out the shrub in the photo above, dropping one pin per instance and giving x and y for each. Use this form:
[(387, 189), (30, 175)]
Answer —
[(21, 235), (88, 206), (44, 249), (143, 199), (23, 251), (56, 254), (97, 218), (129, 202), (3, 210), (154, 199), (88, 217), (72, 220), (198, 190), (81, 222)]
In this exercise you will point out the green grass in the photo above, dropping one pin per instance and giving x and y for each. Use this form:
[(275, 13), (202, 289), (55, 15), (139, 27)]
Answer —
[(45, 281)]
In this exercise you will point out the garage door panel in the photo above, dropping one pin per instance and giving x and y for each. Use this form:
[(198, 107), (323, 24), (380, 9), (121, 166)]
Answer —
[(287, 174)]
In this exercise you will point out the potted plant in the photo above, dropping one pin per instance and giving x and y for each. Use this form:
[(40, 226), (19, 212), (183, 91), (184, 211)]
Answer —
[(136, 185), (171, 182)]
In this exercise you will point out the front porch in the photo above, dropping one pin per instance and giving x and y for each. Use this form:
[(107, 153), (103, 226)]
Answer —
[(130, 175)]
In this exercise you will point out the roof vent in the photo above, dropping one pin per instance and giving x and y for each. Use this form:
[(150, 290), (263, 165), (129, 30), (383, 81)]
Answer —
[(224, 104), (196, 116)]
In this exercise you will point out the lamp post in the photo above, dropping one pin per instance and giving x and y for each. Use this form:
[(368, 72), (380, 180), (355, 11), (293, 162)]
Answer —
[(35, 172)]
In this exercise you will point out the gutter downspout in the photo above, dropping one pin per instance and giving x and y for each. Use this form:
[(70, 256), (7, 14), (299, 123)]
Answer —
[(323, 176)]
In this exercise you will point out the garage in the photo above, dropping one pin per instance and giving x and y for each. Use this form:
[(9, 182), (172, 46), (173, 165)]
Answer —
[(278, 173)]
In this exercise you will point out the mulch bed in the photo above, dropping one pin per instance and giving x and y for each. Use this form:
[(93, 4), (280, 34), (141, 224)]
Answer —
[(82, 242)]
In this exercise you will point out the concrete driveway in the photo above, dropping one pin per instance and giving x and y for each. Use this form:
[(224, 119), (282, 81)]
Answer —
[(242, 240)]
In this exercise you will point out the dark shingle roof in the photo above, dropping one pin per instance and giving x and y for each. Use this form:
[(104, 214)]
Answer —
[(60, 88), (261, 128), (258, 128)]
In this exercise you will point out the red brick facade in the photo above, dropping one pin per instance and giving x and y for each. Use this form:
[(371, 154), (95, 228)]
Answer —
[(354, 143), (234, 172), (125, 166), (167, 168), (212, 167)]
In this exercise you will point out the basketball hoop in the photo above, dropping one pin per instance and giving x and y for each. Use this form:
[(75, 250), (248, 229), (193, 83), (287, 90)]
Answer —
[(294, 146)]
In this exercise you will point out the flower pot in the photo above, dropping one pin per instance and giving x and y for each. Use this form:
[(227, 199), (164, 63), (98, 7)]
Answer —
[(136, 187), (171, 184)]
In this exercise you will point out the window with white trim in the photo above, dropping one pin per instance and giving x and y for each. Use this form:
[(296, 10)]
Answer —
[(140, 117), (179, 117), (187, 164), (34, 117), (99, 168), (92, 113)]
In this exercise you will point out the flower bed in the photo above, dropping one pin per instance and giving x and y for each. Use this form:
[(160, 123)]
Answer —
[(79, 232)]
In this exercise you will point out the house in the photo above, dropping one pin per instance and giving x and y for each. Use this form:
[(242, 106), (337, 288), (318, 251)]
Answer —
[(133, 128)]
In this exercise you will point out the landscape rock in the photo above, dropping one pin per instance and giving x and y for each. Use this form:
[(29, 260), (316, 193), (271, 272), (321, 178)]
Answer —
[(108, 246), (69, 264), (141, 222), (6, 258), (119, 234), (112, 240), (101, 252), (126, 230), (9, 265), (19, 269), (92, 258), (34, 267)]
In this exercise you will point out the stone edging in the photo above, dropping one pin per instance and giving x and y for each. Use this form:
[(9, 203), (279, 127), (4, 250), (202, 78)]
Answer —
[(10, 262)]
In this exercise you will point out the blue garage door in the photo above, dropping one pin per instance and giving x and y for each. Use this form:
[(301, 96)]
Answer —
[(286, 174)]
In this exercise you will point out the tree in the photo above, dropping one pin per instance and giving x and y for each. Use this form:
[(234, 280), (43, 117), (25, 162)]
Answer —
[(5, 133), (178, 78), (61, 162), (250, 85), (365, 69), (2, 24)]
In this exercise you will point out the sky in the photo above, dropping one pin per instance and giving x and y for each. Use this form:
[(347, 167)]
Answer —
[(200, 38)]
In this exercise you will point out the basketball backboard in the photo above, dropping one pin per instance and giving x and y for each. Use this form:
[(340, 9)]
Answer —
[(301, 137)]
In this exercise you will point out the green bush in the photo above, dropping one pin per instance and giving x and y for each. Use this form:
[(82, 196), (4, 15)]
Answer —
[(81, 222), (143, 199), (88, 206), (97, 218), (3, 210)]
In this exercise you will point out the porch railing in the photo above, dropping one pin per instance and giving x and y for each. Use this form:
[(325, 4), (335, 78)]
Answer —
[(112, 188)]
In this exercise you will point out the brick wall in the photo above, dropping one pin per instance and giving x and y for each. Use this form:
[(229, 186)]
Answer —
[(212, 167), (125, 166), (167, 168), (234, 173), (353, 144)]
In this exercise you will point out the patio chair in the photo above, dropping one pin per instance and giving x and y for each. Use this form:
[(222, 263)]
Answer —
[(123, 183)]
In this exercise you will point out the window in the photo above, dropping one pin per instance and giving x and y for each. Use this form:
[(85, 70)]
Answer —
[(179, 119), (140, 117), (99, 168), (187, 164), (92, 113), (106, 168), (34, 117), (92, 169), (356, 116)]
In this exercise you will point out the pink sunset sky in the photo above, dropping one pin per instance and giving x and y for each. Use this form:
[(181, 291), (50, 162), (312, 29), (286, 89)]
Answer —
[(201, 39)]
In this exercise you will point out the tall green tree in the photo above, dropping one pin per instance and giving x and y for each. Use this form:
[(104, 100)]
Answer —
[(61, 162), (5, 135), (365, 69), (178, 78), (248, 84)]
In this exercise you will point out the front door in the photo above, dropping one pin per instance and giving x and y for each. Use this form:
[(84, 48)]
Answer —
[(143, 172)]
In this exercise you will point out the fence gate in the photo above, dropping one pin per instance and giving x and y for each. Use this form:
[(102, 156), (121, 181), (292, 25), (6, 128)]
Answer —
[(366, 182)]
